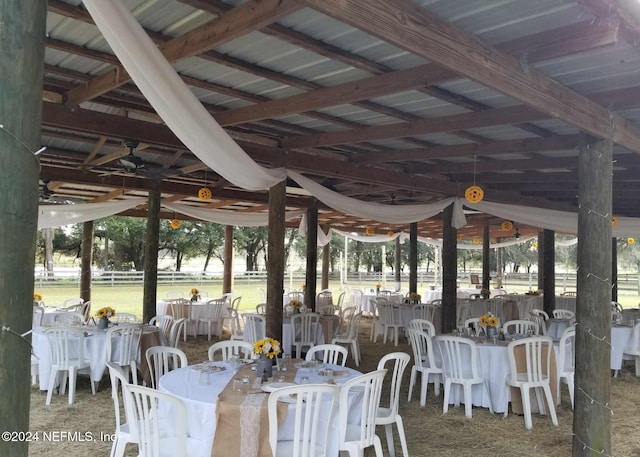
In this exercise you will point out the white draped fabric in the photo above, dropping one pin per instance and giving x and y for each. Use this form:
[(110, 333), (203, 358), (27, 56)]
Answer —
[(234, 218), (392, 214), (59, 215), (178, 107), (322, 239)]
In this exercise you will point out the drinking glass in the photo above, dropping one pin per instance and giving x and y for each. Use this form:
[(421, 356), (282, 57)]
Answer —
[(284, 362), (328, 372), (205, 378)]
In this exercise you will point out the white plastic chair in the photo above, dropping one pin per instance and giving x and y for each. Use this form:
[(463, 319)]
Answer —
[(72, 302), (390, 319), (351, 337), (122, 348), (355, 298), (313, 404), (213, 316), (331, 353), (521, 327), (156, 439), (536, 375), (124, 433), (423, 325), (228, 317), (70, 318), (346, 314), (85, 310), (376, 323), (324, 298), (387, 416), (567, 361), (163, 322), (425, 362), (474, 323), (463, 312), (255, 327), (177, 330), (180, 308), (261, 309), (67, 357), (632, 352), (341, 297), (303, 331), (424, 311), (174, 294), (458, 370), (38, 315), (563, 314), (231, 348), (237, 329), (163, 359), (355, 438), (125, 318), (540, 317)]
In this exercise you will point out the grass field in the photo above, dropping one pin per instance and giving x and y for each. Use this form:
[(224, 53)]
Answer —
[(128, 298)]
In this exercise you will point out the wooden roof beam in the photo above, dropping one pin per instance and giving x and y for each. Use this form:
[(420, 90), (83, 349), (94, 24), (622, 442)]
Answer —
[(404, 24)]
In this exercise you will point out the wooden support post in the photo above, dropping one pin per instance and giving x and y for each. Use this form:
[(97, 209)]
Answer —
[(486, 257), (397, 264), (413, 257), (326, 260), (227, 277), (614, 269), (86, 260), (151, 245), (22, 25), (549, 280), (311, 277), (592, 415), (541, 243), (275, 259), (449, 271)]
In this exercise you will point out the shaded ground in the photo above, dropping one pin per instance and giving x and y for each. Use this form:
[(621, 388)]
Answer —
[(429, 432)]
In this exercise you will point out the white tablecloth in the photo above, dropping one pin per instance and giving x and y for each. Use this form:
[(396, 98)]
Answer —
[(49, 316), (286, 336), (197, 310), (365, 305), (621, 337), (201, 400)]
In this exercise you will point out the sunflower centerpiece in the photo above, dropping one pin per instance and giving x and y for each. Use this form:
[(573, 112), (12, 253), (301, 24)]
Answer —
[(195, 294), (103, 316), (489, 323), (266, 349)]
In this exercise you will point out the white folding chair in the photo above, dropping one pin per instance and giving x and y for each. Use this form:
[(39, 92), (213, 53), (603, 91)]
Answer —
[(533, 375), (351, 337), (163, 359), (426, 361), (354, 438), (68, 358), (521, 327), (303, 331), (331, 353), (123, 343), (313, 404), (423, 325), (231, 348), (387, 416), (567, 361), (460, 371), (124, 433)]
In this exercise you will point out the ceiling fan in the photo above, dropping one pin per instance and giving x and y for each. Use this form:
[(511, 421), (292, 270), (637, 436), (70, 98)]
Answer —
[(133, 164), (49, 196)]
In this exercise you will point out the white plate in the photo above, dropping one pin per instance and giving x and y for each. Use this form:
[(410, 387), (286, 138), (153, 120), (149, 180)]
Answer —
[(276, 385), (202, 367)]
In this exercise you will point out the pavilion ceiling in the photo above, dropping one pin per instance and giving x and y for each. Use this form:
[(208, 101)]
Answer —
[(389, 101)]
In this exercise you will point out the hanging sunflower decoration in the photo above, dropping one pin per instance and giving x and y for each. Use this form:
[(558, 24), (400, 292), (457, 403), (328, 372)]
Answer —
[(614, 221), (506, 226), (204, 194), (369, 231), (474, 194), (459, 237), (534, 245), (390, 234), (476, 240), (175, 224), (630, 241)]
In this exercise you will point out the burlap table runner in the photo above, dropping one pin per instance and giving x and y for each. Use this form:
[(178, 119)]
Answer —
[(242, 420)]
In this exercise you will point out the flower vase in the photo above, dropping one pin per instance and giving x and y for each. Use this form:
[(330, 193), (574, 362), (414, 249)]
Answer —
[(491, 332), (103, 322), (296, 310), (195, 298), (264, 367)]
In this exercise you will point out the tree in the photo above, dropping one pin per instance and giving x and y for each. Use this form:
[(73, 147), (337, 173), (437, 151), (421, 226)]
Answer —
[(127, 235), (252, 241)]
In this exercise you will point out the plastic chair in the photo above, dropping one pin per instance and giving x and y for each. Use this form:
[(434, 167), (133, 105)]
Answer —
[(163, 322), (331, 353), (569, 293), (213, 316), (540, 317), (177, 330), (521, 327), (303, 331), (376, 323), (70, 318), (314, 403), (163, 359), (174, 294), (38, 315), (67, 356), (567, 361), (237, 331), (156, 439), (255, 327), (70, 302), (474, 323), (235, 305), (458, 370), (329, 310), (537, 367), (424, 311), (85, 309), (632, 352), (425, 362), (355, 298), (388, 416), (324, 298), (124, 433), (123, 343), (351, 337), (261, 309), (563, 314), (229, 349), (180, 308), (390, 319), (355, 438), (125, 318), (262, 294), (423, 325), (341, 297), (346, 314)]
